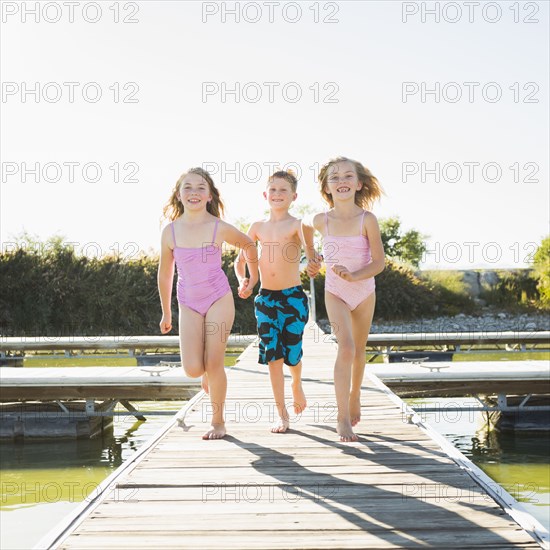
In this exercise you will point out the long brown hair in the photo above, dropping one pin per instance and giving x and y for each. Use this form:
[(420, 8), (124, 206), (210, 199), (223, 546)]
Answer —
[(370, 191), (174, 208)]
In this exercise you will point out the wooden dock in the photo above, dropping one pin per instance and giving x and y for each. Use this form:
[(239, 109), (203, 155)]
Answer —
[(399, 486), (80, 402), (59, 383), (461, 378)]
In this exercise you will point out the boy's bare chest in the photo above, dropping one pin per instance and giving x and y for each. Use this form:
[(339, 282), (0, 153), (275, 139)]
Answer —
[(281, 235)]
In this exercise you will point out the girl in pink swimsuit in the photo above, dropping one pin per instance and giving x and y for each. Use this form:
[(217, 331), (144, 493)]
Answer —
[(353, 255), (192, 243)]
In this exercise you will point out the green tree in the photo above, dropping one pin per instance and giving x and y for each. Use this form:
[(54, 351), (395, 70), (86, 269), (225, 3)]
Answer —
[(242, 224), (407, 247), (541, 266)]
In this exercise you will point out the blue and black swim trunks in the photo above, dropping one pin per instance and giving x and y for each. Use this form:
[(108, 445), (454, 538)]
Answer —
[(281, 316)]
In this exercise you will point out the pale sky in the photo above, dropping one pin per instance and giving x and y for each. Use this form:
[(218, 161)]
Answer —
[(490, 207)]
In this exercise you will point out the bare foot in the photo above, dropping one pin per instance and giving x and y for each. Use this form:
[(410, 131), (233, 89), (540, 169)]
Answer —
[(216, 431), (343, 428), (299, 397), (355, 409), (280, 426), (204, 383)]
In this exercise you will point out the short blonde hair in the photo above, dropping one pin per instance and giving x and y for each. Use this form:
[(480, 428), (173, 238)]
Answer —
[(287, 175)]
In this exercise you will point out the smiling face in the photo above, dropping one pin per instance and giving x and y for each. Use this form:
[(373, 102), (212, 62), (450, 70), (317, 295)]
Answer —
[(194, 192), (279, 194), (342, 182)]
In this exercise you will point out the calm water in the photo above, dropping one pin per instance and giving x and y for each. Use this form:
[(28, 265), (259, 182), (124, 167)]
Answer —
[(519, 462), (42, 482)]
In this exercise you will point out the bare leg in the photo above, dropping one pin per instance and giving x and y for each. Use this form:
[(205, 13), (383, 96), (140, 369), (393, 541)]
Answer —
[(217, 327), (191, 326), (361, 319), (340, 319), (298, 394), (278, 385)]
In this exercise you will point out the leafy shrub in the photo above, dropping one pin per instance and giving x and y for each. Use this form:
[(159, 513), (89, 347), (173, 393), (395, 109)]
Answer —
[(541, 265)]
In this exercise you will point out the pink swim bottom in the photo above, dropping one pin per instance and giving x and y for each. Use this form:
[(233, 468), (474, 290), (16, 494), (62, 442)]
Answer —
[(201, 304), (352, 293)]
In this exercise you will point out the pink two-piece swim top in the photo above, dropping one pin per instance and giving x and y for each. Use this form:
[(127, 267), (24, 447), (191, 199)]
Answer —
[(201, 279), (354, 253)]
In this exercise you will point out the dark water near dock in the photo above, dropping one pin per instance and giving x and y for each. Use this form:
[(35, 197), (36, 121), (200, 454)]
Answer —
[(520, 462)]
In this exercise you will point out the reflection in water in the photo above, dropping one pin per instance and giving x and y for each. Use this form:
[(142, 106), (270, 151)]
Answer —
[(519, 461), (508, 447)]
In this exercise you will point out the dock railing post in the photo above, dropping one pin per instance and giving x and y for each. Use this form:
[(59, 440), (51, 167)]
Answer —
[(312, 307)]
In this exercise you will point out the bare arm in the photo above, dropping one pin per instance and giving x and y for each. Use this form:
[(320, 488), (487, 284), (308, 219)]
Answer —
[(233, 236), (307, 230), (377, 250), (306, 234), (240, 261), (165, 280)]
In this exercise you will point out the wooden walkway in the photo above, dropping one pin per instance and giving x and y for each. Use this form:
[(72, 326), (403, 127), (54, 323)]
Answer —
[(134, 383), (395, 488)]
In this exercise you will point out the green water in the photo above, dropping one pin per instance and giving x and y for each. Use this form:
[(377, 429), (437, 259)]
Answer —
[(42, 481), (519, 462)]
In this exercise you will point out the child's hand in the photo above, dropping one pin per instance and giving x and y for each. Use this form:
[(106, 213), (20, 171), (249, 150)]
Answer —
[(165, 324), (343, 272), (245, 289), (313, 266)]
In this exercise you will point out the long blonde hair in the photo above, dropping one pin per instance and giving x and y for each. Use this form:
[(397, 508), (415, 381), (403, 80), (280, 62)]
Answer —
[(370, 191), (174, 208)]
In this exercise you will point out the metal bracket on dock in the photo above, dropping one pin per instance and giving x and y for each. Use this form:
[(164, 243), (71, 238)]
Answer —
[(502, 401), (132, 409), (415, 360), (155, 371), (522, 404), (62, 407)]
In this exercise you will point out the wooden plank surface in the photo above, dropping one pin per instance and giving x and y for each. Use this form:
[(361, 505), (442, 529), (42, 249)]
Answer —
[(58, 383), (394, 488)]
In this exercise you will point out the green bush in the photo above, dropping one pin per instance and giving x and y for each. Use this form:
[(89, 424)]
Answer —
[(450, 291), (53, 292), (514, 289), (541, 265), (400, 294)]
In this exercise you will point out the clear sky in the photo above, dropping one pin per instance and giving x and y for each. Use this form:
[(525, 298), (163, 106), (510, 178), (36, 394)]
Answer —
[(364, 70)]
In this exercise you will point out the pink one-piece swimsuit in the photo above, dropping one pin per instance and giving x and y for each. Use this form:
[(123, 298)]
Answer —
[(354, 253), (201, 279)]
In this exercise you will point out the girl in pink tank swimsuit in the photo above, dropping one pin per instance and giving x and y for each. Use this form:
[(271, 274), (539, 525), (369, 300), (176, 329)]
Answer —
[(353, 255), (192, 242)]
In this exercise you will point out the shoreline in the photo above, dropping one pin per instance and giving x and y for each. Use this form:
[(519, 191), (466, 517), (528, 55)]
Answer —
[(485, 322)]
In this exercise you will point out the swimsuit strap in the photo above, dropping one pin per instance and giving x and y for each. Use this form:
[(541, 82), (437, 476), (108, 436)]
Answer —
[(362, 223), (326, 222), (215, 231), (173, 234)]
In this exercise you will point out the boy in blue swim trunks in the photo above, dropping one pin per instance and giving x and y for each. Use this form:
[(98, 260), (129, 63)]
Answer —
[(281, 306)]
